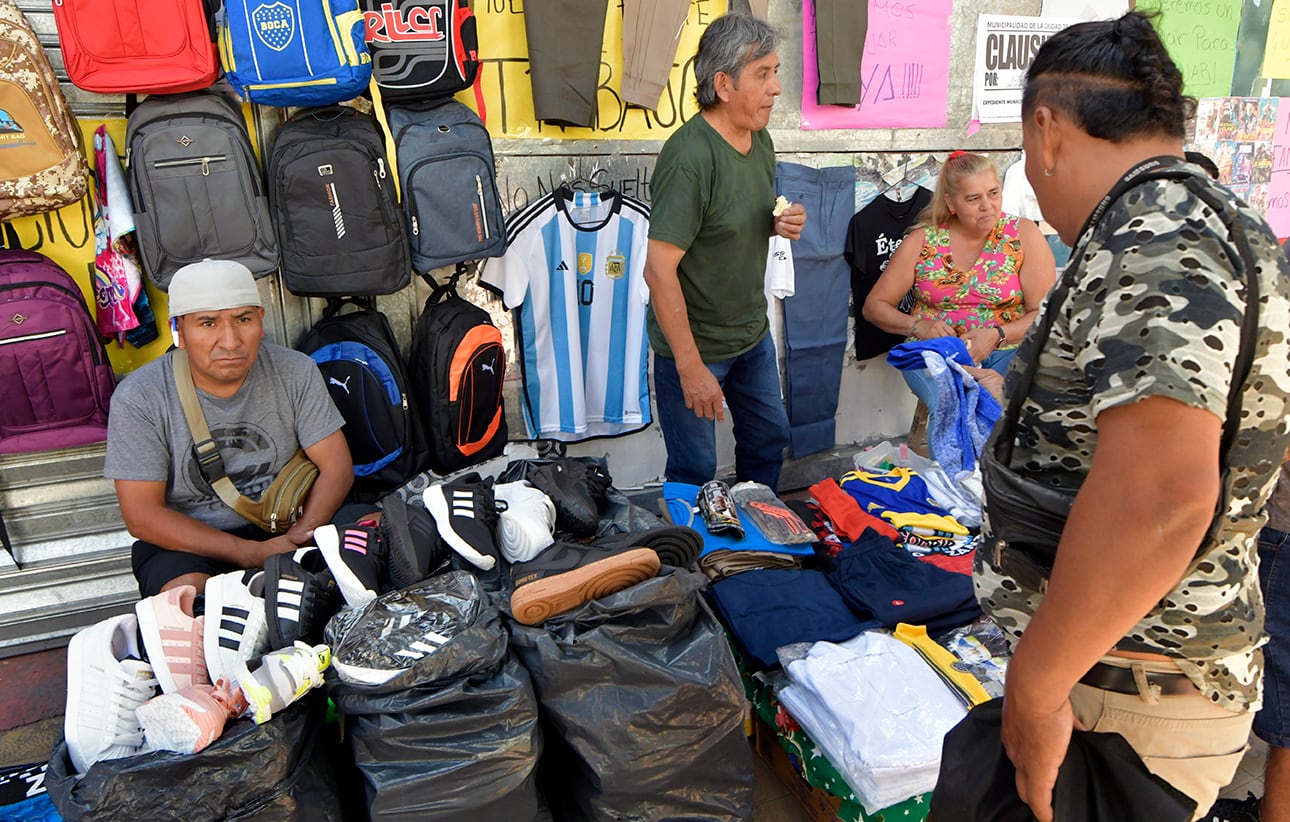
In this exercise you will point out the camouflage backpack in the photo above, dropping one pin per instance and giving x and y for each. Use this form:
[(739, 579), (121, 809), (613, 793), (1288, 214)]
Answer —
[(42, 166)]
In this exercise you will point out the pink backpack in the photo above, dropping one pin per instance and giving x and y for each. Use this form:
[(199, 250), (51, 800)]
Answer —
[(54, 372)]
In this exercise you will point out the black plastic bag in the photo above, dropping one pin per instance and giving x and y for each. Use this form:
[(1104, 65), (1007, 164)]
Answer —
[(642, 692), (456, 735), (276, 771)]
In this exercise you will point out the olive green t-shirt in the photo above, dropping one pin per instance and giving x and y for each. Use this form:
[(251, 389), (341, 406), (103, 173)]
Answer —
[(715, 204)]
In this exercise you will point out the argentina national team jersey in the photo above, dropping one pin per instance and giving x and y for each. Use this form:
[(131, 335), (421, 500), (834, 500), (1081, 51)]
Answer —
[(575, 273)]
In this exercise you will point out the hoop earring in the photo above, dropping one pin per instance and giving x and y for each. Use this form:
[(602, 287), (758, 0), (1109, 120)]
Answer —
[(1048, 172)]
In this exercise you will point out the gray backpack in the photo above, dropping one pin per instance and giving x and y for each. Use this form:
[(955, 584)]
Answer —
[(197, 188), (449, 184)]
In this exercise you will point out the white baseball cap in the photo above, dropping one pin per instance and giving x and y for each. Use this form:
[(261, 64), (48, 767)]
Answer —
[(212, 285)]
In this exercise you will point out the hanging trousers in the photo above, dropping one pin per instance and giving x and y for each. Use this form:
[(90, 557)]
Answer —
[(815, 317)]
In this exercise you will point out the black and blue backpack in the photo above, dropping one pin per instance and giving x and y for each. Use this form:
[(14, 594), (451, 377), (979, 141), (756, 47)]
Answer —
[(359, 359)]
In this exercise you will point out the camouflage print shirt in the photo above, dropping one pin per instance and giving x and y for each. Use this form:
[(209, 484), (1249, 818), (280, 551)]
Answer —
[(1155, 310)]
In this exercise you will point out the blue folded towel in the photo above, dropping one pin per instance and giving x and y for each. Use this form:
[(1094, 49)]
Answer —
[(909, 356), (964, 414)]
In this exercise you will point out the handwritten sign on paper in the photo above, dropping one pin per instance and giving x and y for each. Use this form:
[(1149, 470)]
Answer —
[(1276, 54), (1278, 199), (1201, 38), (904, 69)]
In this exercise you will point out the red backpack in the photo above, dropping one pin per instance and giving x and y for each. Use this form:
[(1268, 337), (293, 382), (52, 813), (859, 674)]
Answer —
[(137, 46), (421, 49)]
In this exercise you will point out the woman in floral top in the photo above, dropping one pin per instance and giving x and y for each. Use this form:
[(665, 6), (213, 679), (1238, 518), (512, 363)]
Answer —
[(975, 272)]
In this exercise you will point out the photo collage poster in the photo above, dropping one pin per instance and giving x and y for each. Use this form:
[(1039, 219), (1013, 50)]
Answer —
[(1237, 133)]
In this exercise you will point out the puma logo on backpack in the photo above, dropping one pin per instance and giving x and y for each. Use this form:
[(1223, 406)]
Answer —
[(456, 371), (44, 162)]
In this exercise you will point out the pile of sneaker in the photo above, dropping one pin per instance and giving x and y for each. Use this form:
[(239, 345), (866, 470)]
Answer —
[(115, 668)]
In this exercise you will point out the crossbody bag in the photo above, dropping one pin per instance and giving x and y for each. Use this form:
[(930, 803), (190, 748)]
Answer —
[(1027, 515), (281, 504)]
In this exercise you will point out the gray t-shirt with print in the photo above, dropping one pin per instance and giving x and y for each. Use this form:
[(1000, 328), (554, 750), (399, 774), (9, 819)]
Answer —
[(283, 405)]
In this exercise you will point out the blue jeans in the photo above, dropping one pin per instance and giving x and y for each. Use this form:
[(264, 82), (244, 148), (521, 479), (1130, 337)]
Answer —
[(924, 387), (750, 383), (815, 317), (1272, 724)]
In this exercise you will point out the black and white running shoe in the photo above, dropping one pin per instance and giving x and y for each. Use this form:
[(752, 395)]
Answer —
[(465, 512), (300, 595), (235, 628), (355, 554)]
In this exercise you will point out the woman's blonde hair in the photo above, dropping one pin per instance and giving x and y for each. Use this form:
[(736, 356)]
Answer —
[(959, 165)]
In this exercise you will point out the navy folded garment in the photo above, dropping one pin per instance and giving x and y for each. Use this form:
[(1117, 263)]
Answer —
[(881, 581), (767, 609)]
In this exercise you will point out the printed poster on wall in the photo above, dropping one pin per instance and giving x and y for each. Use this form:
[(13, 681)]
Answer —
[(1238, 134), (904, 69), (1005, 45), (508, 93), (1201, 38)]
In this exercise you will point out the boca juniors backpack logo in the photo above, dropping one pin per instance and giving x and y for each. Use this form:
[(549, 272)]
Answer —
[(274, 24)]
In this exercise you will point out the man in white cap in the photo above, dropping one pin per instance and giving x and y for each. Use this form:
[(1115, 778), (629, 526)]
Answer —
[(261, 403)]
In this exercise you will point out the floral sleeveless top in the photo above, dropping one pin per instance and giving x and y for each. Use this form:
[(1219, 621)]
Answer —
[(987, 294)]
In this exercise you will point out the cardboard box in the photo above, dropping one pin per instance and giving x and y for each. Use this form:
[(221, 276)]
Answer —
[(821, 805)]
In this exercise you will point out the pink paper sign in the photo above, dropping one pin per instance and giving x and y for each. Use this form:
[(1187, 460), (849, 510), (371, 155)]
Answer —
[(1278, 208), (904, 71)]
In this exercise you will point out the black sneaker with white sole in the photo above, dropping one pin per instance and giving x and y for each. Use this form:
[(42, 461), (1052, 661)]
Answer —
[(465, 513), (300, 595), (355, 554), (413, 547), (576, 488), (568, 574)]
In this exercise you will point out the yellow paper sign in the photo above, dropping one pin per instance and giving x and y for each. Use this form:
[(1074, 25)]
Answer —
[(1276, 55), (508, 96)]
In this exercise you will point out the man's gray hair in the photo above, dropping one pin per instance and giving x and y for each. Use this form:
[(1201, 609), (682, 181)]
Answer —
[(730, 42)]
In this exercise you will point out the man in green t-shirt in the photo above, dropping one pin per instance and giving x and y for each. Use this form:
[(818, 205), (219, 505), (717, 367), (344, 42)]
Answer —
[(712, 198)]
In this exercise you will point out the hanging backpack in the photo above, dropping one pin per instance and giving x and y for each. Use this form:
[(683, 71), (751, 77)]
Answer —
[(359, 359), (54, 372), (196, 186), (421, 49), (136, 46), (456, 370), (44, 165), (449, 184), (299, 54), (335, 206)]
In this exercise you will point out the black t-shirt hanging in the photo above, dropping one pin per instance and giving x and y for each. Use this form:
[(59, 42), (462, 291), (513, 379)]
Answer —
[(872, 237)]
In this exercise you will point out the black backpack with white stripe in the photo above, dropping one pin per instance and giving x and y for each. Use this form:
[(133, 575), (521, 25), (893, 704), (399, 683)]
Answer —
[(335, 206)]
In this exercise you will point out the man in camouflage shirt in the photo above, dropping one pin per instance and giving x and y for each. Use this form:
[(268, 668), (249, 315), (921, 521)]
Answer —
[(1150, 621)]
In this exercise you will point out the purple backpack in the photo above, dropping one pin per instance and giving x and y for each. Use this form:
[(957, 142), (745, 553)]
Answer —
[(55, 377)]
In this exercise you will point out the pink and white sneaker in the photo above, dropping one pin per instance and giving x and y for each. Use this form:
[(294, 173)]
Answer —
[(106, 683), (188, 720), (172, 638)]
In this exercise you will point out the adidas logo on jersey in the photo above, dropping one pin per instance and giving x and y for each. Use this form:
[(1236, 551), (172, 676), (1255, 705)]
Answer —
[(563, 266)]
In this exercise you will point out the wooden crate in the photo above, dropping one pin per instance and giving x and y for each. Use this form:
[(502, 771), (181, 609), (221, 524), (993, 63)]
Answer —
[(820, 804)]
